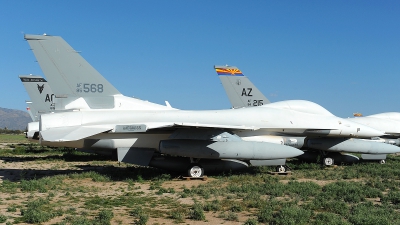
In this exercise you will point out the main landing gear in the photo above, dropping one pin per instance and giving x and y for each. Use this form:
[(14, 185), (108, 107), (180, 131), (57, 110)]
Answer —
[(195, 170), (327, 161), (281, 169)]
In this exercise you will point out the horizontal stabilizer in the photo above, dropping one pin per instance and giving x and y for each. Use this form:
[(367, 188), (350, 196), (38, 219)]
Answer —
[(72, 133)]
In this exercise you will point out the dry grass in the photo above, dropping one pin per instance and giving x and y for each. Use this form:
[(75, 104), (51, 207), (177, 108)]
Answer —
[(53, 186)]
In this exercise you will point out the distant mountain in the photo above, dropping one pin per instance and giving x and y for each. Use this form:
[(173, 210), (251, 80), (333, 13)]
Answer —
[(14, 119)]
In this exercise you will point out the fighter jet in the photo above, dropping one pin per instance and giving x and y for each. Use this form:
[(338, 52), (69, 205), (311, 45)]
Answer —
[(41, 101), (243, 93), (104, 118), (388, 122)]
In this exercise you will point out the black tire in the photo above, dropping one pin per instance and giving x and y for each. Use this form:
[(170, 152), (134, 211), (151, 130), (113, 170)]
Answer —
[(195, 170)]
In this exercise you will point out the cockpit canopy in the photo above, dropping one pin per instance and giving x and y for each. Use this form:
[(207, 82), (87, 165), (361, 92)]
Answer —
[(300, 106)]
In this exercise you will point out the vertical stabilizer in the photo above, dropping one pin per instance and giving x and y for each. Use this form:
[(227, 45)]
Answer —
[(75, 83), (66, 70), (240, 90), (40, 93), (29, 109)]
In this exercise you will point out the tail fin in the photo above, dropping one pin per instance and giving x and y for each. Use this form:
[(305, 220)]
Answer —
[(30, 109), (69, 74), (240, 90), (40, 93)]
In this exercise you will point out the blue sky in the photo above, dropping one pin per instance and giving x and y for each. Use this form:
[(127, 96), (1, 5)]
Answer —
[(343, 55)]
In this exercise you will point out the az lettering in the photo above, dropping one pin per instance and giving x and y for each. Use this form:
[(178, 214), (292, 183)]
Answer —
[(248, 92)]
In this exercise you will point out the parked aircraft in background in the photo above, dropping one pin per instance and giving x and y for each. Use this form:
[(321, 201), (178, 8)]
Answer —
[(41, 101), (389, 123), (243, 93)]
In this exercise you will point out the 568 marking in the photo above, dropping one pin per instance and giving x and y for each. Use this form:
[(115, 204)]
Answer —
[(93, 88)]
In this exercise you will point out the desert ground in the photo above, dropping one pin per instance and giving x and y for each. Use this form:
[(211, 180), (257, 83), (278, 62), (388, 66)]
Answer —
[(41, 185)]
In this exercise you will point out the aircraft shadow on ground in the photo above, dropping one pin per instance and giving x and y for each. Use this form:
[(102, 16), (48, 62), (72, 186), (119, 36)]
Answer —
[(65, 157), (111, 172), (94, 163)]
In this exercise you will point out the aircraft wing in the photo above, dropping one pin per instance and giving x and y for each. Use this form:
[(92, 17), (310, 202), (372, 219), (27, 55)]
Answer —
[(72, 133), (217, 126), (128, 128)]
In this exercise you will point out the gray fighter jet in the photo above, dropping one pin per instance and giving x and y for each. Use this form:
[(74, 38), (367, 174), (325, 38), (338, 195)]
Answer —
[(243, 93), (41, 101), (101, 117)]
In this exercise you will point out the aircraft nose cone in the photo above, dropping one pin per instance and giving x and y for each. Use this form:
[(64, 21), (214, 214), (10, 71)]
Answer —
[(293, 152), (388, 149)]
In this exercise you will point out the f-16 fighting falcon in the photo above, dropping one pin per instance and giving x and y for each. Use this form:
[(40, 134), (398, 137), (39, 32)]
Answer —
[(149, 134), (243, 93)]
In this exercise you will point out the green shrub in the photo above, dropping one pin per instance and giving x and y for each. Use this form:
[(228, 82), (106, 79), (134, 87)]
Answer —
[(265, 215), (142, 218), (197, 213), (215, 205), (178, 214), (8, 186), (327, 218), (91, 174), (393, 197), (369, 214), (250, 221), (292, 215), (39, 211), (3, 218), (12, 208), (232, 216), (104, 217), (350, 191), (302, 189), (42, 185), (78, 220)]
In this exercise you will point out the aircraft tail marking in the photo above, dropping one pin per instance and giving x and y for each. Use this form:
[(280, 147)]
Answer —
[(240, 90), (66, 70), (228, 71)]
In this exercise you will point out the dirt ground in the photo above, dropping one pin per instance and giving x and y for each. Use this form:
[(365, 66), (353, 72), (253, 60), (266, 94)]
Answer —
[(17, 168)]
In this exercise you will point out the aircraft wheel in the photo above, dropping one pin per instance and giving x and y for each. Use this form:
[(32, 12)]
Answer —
[(328, 161), (280, 169), (195, 170), (382, 161)]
